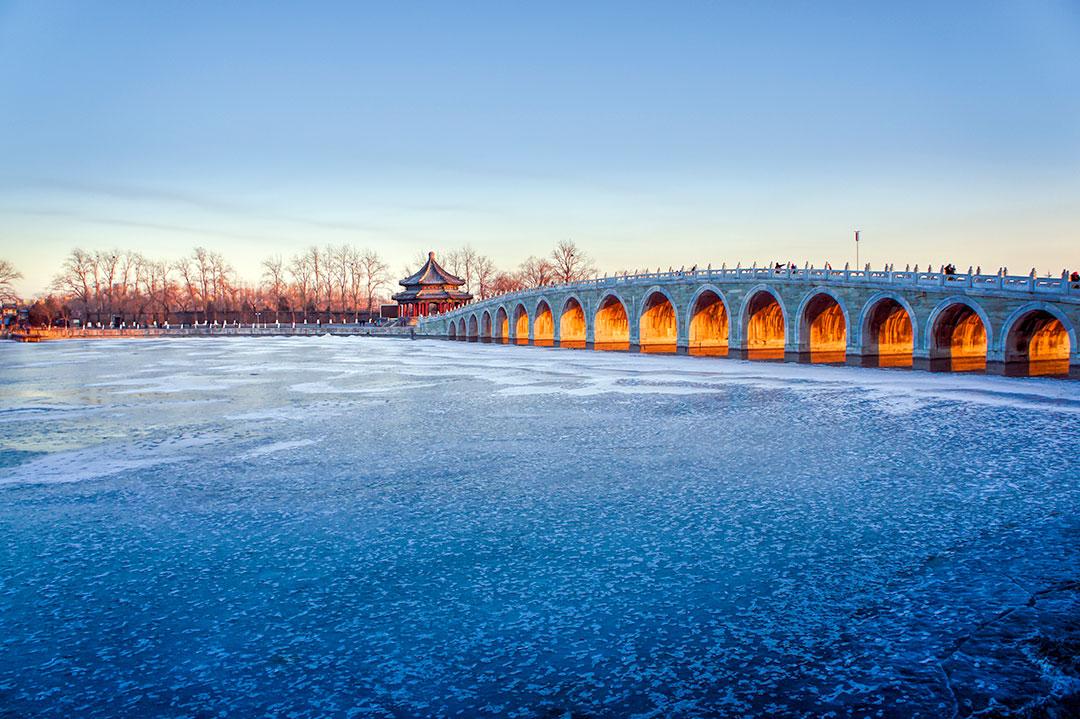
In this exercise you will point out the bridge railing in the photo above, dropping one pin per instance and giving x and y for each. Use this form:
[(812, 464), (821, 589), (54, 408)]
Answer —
[(1011, 284)]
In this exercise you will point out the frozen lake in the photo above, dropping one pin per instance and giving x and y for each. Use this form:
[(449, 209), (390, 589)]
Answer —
[(367, 527)]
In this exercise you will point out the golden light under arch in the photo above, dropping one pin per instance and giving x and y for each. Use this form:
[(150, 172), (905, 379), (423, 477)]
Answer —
[(658, 326), (1037, 345), (889, 336), (764, 327), (959, 339), (611, 325), (502, 326), (572, 325), (824, 329), (521, 325), (709, 325), (543, 326)]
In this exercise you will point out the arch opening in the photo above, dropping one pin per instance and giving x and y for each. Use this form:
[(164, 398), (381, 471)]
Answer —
[(959, 340), (764, 328), (658, 327), (824, 330), (543, 326), (502, 327), (461, 330), (1037, 346), (889, 340), (572, 325), (474, 332), (709, 326), (611, 326), (451, 331), (485, 327), (521, 325)]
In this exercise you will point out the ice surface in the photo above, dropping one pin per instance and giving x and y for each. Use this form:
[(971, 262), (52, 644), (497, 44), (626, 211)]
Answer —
[(389, 528)]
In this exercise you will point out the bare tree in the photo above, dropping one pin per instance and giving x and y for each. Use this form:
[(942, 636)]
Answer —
[(462, 263), (186, 271), (536, 272), (300, 271), (506, 282), (570, 263), (274, 281), (317, 262), (374, 275), (159, 288), (484, 271), (75, 279), (339, 260), (8, 275), (357, 281)]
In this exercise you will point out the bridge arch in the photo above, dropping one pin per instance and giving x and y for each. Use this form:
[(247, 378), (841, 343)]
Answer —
[(658, 323), (763, 319), (543, 324), (502, 326), (572, 323), (461, 330), (887, 331), (521, 324), (1038, 340), (958, 335), (710, 321), (611, 323), (822, 330), (474, 328), (485, 326), (451, 331)]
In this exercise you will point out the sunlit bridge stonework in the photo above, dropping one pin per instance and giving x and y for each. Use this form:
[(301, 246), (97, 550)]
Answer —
[(1001, 324)]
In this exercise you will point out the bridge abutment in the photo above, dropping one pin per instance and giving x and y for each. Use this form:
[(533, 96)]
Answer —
[(797, 356)]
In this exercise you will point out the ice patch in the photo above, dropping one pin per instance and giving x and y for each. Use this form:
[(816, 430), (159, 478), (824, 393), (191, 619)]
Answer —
[(274, 447), (102, 461), (324, 387), (30, 413), (175, 383)]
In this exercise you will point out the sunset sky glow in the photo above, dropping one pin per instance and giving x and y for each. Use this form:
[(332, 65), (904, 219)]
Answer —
[(650, 133)]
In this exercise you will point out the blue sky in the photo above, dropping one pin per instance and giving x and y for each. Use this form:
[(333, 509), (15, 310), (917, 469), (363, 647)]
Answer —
[(650, 133)]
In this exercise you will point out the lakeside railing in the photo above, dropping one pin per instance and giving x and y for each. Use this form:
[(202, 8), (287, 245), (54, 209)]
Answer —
[(914, 279), (204, 330)]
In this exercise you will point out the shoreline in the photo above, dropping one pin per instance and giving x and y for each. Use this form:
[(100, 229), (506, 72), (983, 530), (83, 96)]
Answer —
[(54, 334)]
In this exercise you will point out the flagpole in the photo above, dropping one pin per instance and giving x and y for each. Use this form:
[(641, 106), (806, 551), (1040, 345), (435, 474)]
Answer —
[(857, 265)]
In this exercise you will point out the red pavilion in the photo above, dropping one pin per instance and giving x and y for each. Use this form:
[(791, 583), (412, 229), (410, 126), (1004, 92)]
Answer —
[(430, 290)]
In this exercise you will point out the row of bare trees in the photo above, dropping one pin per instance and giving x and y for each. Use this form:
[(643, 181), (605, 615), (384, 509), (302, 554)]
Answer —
[(337, 278), (320, 283), (566, 263), (110, 286)]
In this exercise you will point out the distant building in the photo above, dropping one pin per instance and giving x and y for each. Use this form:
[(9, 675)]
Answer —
[(430, 290), (8, 316)]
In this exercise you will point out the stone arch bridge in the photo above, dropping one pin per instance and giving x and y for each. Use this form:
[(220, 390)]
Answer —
[(926, 320)]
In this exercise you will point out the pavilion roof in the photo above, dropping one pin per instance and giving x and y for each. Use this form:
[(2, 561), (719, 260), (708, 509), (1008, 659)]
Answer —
[(425, 294), (432, 273)]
